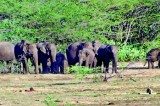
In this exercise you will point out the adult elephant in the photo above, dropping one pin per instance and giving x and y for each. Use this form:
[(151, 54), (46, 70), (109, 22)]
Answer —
[(152, 56), (72, 52), (87, 56), (7, 52), (105, 54), (47, 51), (24, 51)]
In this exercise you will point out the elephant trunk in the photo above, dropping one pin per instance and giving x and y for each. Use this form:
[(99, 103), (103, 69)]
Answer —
[(35, 60), (80, 61), (114, 63)]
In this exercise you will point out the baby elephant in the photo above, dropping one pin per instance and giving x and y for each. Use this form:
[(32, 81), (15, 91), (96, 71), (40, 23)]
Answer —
[(87, 57), (152, 56), (60, 63)]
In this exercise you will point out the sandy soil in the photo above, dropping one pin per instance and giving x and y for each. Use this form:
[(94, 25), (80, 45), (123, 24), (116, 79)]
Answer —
[(128, 88)]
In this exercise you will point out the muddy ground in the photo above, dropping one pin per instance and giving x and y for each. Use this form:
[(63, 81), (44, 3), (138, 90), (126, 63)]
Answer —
[(127, 90)]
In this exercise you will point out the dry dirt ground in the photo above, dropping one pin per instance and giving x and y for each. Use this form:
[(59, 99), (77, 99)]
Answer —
[(130, 90)]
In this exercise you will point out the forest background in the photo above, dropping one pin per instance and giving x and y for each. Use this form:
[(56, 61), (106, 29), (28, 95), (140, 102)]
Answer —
[(133, 25)]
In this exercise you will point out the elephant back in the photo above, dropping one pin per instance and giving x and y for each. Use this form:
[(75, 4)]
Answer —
[(6, 51), (153, 54)]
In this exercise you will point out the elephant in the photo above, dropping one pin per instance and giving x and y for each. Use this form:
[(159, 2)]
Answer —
[(104, 54), (24, 51), (87, 56), (152, 56), (60, 63), (72, 52), (47, 51), (7, 52)]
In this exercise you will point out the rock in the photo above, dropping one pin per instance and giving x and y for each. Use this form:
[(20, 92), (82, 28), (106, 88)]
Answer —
[(149, 90)]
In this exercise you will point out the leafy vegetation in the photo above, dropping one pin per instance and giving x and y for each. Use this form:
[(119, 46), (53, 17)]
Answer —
[(82, 71), (132, 24)]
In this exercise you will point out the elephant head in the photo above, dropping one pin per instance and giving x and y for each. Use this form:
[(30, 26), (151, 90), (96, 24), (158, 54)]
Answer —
[(96, 45), (25, 50), (88, 45)]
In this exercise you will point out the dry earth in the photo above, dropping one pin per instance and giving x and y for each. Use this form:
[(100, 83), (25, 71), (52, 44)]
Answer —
[(130, 90)]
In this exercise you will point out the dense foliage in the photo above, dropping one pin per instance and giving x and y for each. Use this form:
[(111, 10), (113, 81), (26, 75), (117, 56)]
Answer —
[(132, 24)]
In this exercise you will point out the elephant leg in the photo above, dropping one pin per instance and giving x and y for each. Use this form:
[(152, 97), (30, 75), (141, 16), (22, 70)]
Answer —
[(87, 63), (107, 66), (149, 64), (45, 69), (95, 63), (114, 66), (39, 67), (55, 67), (25, 66), (62, 68), (152, 63), (159, 64), (43, 60)]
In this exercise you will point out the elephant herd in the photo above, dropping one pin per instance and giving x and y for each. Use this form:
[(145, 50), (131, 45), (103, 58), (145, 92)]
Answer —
[(46, 59), (39, 54)]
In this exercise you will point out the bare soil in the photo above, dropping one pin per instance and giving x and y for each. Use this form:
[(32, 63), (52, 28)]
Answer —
[(128, 88)]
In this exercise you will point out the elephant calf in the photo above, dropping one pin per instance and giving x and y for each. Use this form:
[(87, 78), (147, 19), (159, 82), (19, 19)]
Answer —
[(87, 56), (152, 56), (60, 63)]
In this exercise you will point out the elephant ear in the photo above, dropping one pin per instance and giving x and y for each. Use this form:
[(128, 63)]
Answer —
[(26, 48), (43, 49), (24, 45)]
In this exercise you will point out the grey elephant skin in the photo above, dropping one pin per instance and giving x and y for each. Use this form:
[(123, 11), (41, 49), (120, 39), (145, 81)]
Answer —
[(60, 64), (73, 49), (152, 56), (87, 57), (24, 51), (6, 51), (72, 52), (47, 51)]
